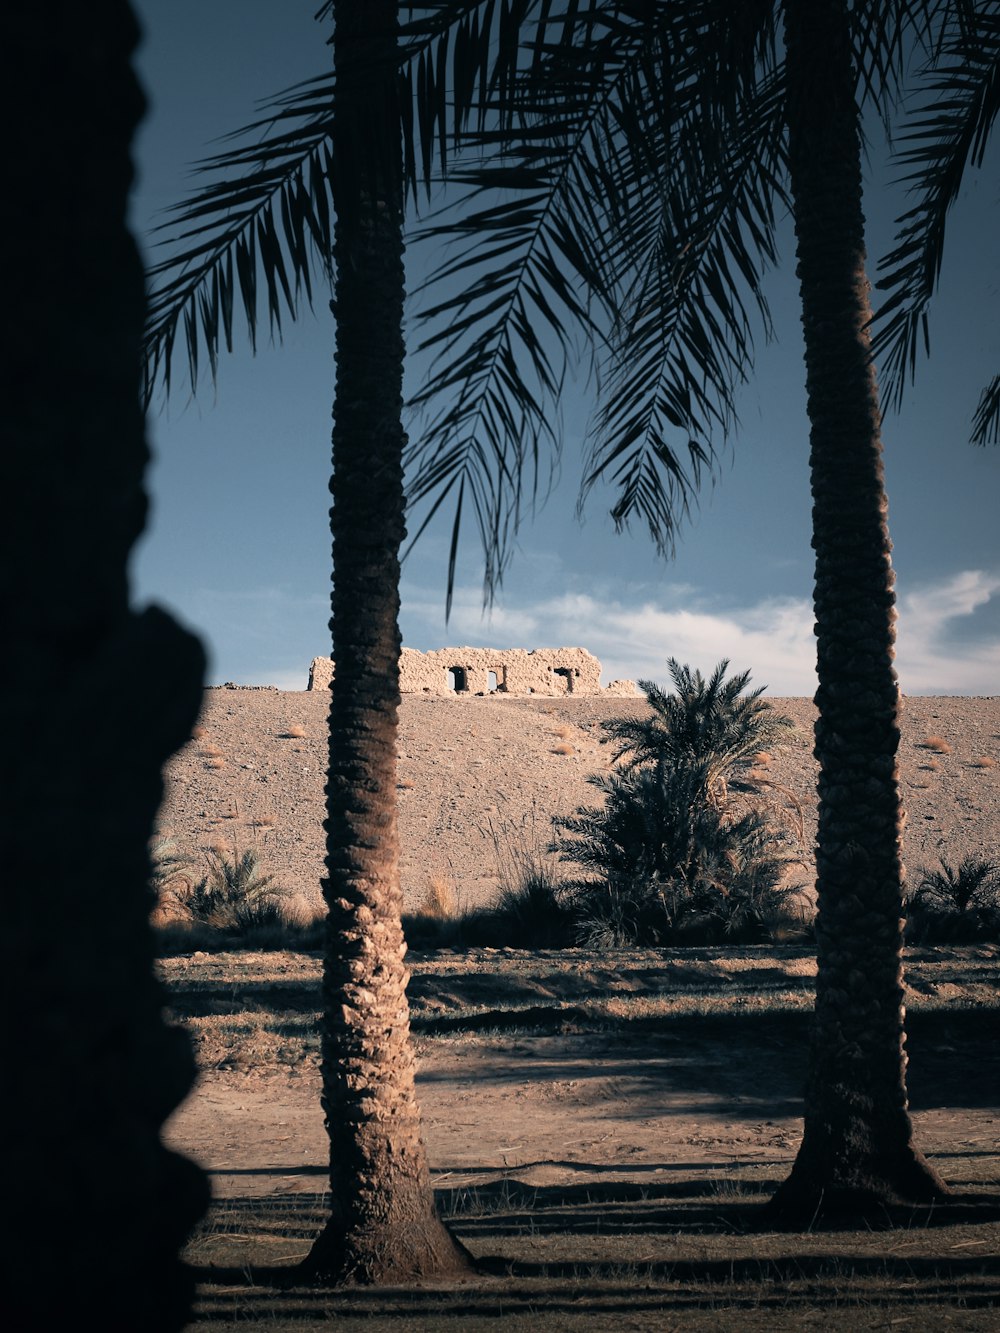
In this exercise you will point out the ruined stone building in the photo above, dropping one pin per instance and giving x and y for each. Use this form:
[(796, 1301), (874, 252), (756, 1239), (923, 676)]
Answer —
[(514, 671)]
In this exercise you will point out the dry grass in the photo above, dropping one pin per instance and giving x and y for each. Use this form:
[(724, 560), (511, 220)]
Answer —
[(763, 757), (405, 784), (210, 752), (984, 761), (563, 748), (197, 733), (439, 900), (295, 733), (264, 821), (215, 762), (564, 732), (932, 765), (936, 743), (553, 1259)]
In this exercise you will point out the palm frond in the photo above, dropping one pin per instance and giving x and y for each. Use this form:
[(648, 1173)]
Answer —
[(265, 224), (459, 60), (683, 339), (948, 133), (502, 341), (888, 36), (986, 422), (260, 230), (583, 167)]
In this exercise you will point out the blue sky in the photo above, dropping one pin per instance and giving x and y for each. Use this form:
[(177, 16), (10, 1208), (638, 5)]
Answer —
[(238, 545)]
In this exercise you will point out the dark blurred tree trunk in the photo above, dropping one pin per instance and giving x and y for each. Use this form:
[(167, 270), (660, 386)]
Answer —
[(383, 1226), (95, 698), (857, 1153)]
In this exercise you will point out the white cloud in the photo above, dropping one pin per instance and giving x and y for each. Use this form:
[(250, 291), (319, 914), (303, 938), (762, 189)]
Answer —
[(773, 637), (931, 657)]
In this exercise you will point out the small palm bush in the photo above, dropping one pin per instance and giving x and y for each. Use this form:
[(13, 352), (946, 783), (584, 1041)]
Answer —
[(667, 859), (169, 869), (663, 865), (956, 904), (713, 724), (234, 895)]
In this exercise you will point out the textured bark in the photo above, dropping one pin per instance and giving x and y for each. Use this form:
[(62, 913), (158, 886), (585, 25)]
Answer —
[(95, 698), (383, 1226), (857, 1153)]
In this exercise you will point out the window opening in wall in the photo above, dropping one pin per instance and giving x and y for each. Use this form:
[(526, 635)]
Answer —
[(458, 680), (566, 675), (491, 682)]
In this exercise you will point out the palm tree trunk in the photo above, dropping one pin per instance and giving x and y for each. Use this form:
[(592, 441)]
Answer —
[(857, 1153), (95, 699), (383, 1226)]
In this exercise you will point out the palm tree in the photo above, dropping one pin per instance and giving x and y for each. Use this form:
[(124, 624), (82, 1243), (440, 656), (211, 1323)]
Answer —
[(711, 721), (663, 865), (99, 1207), (665, 860), (383, 1226), (959, 903), (643, 154)]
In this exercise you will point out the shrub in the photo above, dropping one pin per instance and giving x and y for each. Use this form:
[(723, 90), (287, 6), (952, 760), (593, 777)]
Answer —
[(533, 914), (233, 895), (956, 904), (936, 743), (169, 874), (668, 858), (712, 724), (437, 922), (665, 866)]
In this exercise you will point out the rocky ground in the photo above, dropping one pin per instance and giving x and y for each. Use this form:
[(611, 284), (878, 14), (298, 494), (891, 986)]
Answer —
[(480, 778)]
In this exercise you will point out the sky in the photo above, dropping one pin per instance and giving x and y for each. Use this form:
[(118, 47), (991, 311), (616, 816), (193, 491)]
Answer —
[(238, 544)]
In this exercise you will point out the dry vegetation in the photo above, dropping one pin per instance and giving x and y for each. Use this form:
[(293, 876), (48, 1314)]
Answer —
[(938, 744), (603, 1130)]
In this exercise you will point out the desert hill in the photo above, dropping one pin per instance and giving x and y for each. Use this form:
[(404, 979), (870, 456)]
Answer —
[(480, 777)]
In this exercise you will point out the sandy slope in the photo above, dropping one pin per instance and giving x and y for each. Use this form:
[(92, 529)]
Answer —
[(481, 772)]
